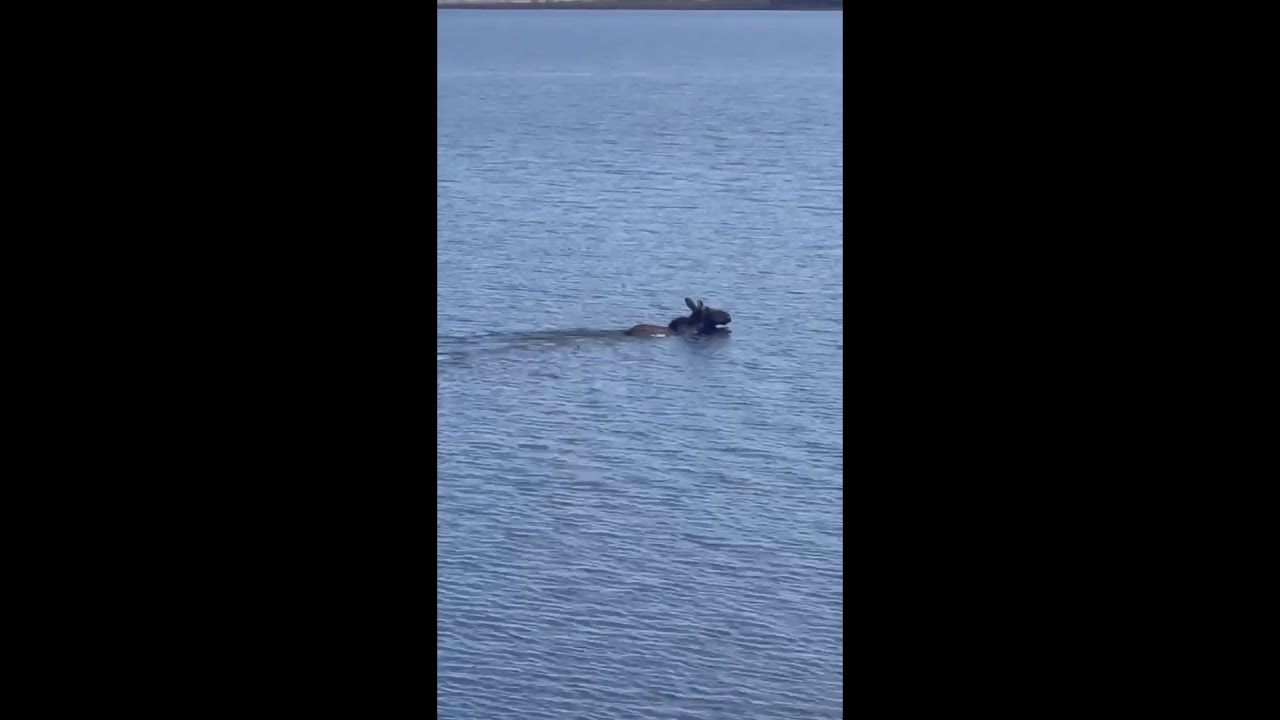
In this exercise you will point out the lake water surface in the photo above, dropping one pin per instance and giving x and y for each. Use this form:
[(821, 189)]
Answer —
[(639, 528)]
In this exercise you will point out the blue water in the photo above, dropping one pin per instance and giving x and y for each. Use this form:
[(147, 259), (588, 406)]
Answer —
[(628, 527)]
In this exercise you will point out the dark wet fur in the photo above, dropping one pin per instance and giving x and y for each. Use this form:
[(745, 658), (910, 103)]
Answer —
[(702, 320)]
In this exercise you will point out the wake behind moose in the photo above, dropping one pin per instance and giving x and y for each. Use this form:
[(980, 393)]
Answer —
[(703, 320)]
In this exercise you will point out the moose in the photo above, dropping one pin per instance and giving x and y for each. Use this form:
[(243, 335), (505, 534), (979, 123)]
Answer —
[(702, 321)]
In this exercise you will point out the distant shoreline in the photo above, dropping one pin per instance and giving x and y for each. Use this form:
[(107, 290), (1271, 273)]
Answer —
[(645, 5)]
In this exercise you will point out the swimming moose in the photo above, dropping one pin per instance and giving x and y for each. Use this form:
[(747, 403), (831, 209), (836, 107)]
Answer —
[(702, 321)]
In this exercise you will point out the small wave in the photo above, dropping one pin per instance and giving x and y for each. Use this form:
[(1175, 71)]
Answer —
[(458, 348)]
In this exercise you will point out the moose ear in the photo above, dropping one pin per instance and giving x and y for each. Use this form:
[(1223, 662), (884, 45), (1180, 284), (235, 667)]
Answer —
[(689, 302)]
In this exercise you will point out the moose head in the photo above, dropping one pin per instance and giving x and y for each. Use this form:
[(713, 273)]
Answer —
[(703, 320)]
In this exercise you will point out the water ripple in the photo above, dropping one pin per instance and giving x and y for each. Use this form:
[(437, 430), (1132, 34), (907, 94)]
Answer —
[(630, 527)]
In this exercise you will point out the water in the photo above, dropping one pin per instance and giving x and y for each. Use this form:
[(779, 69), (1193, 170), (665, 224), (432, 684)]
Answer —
[(639, 528)]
